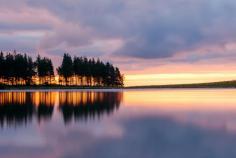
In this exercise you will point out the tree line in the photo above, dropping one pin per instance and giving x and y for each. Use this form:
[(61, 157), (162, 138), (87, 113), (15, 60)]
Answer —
[(20, 69)]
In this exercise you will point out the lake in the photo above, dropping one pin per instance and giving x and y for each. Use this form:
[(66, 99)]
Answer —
[(150, 123)]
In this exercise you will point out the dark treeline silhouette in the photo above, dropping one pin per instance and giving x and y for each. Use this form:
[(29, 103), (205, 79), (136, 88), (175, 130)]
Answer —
[(89, 72), (20, 108), (18, 69)]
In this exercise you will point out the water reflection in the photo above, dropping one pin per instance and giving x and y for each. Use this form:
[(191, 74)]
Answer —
[(20, 108), (86, 105), (16, 108), (150, 123)]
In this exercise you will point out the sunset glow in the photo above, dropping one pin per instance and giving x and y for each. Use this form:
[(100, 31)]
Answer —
[(181, 78), (151, 42)]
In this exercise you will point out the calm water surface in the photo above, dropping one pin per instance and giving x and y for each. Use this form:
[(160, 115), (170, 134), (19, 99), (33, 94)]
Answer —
[(167, 123)]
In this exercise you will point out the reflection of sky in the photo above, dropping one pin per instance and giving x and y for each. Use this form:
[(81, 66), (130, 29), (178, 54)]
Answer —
[(134, 131)]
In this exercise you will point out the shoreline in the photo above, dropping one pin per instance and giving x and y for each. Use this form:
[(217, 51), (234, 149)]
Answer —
[(212, 85), (54, 87)]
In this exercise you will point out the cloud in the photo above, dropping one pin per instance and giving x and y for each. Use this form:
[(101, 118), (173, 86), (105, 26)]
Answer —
[(152, 29), (147, 29), (26, 43), (71, 35)]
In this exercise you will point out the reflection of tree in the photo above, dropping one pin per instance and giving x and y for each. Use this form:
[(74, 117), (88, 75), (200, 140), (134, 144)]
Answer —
[(44, 112), (16, 112), (20, 108), (88, 105), (45, 105)]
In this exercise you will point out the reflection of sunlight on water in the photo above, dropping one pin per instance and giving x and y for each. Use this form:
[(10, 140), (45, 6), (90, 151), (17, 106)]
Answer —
[(183, 99), (205, 108)]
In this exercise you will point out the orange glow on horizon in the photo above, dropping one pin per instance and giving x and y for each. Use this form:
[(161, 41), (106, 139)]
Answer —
[(177, 78)]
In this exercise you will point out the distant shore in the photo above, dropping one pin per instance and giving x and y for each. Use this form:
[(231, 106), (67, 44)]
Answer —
[(223, 84)]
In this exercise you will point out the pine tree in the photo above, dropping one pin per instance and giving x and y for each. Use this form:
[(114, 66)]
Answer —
[(66, 68)]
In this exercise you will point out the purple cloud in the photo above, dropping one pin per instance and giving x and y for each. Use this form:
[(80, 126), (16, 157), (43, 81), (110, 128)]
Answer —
[(148, 29)]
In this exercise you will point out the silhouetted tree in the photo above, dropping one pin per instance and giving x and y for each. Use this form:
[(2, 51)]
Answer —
[(45, 70), (78, 69), (29, 70), (2, 60), (66, 68), (9, 64)]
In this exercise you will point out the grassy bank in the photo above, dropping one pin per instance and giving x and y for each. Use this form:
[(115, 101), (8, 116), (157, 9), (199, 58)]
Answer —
[(223, 84)]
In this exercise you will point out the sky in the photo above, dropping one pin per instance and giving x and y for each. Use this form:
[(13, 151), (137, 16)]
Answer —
[(151, 41)]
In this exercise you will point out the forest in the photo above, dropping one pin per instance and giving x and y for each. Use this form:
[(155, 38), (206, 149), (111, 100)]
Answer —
[(20, 69)]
